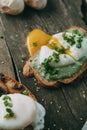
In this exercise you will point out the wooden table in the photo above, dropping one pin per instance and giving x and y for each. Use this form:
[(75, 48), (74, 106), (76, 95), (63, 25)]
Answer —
[(66, 106)]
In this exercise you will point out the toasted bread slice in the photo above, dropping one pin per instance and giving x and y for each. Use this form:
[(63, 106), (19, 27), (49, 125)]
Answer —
[(10, 86), (27, 70), (3, 88), (50, 84)]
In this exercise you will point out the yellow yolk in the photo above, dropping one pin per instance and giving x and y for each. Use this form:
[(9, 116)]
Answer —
[(53, 43), (67, 51), (36, 39)]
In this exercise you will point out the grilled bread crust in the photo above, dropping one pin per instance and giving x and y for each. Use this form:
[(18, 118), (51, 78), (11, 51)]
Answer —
[(9, 86)]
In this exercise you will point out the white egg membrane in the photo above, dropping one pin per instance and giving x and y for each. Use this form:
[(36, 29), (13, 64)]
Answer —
[(26, 110)]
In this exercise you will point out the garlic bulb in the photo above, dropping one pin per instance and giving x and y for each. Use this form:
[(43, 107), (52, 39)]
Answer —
[(37, 4), (12, 7)]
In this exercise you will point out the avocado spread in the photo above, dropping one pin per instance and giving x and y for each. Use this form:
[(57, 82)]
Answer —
[(51, 74)]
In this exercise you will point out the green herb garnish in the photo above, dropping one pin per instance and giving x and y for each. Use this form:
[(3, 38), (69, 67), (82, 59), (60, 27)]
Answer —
[(54, 46), (7, 104), (35, 44), (6, 98), (61, 50), (78, 45), (46, 63), (25, 92), (56, 57), (76, 37), (69, 39), (9, 114)]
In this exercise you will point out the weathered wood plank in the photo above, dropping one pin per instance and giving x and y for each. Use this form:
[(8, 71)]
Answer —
[(66, 106), (6, 66)]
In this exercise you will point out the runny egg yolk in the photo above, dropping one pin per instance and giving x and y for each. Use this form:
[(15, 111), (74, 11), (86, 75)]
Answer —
[(36, 39)]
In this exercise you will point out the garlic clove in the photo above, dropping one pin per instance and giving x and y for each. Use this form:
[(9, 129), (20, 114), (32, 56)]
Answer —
[(12, 7), (36, 4)]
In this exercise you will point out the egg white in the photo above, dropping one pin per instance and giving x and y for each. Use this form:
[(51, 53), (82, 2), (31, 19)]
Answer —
[(45, 52), (26, 113), (65, 59), (77, 52)]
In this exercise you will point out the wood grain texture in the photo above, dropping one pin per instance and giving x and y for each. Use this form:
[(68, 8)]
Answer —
[(6, 65), (66, 106)]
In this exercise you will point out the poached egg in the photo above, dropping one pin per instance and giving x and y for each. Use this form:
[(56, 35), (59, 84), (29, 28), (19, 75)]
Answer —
[(72, 55), (26, 112)]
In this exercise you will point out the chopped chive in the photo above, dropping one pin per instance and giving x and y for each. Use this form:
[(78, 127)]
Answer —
[(25, 92), (6, 103), (61, 50), (6, 98), (56, 57), (78, 45), (9, 114), (75, 37), (35, 44)]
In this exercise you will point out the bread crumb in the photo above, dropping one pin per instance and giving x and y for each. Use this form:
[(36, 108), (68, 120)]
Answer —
[(83, 92), (42, 99), (51, 102), (37, 89), (19, 71), (16, 35), (84, 96), (81, 118), (57, 31), (22, 61), (2, 62), (26, 25), (54, 125), (59, 107), (35, 84), (34, 79), (58, 111)]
